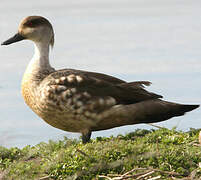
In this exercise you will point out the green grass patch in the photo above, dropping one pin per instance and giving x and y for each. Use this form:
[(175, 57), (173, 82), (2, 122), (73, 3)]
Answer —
[(159, 153)]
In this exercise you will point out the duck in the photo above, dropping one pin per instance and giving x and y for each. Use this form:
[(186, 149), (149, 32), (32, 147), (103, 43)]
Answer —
[(83, 101)]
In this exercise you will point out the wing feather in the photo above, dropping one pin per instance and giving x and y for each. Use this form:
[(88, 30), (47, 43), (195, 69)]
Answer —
[(101, 85)]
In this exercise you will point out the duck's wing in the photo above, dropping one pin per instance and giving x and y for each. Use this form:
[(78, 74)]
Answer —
[(101, 85)]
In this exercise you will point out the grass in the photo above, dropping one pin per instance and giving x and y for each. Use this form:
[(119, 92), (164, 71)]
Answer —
[(143, 154)]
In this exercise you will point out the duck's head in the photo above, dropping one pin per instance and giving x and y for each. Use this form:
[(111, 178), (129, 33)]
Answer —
[(35, 28)]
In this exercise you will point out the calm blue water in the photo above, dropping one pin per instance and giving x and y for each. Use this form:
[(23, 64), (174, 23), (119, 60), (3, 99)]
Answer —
[(153, 40)]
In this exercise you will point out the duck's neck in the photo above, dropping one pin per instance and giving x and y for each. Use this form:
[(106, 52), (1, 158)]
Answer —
[(39, 63), (40, 59)]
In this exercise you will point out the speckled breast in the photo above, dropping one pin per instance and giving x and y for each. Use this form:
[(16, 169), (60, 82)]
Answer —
[(63, 104), (64, 114)]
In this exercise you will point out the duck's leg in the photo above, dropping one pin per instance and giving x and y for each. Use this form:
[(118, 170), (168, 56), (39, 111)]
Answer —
[(86, 137)]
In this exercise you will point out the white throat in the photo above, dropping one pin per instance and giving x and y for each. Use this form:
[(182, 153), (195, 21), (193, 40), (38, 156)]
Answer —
[(41, 56), (40, 59)]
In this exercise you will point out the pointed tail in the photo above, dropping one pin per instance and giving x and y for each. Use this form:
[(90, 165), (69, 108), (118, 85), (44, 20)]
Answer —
[(162, 110), (149, 111)]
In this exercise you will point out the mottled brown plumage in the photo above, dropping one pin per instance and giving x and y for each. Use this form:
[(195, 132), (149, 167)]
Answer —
[(81, 101)]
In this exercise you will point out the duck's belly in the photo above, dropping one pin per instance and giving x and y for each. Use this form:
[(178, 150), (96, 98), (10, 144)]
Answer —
[(67, 120)]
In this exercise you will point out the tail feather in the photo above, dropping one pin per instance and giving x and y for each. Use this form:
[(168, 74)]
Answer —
[(166, 110), (187, 107), (149, 111), (159, 110)]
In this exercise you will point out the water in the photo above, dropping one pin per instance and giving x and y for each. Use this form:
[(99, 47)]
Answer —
[(153, 40)]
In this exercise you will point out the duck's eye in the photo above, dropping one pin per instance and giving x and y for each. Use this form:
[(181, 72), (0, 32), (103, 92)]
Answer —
[(29, 24)]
